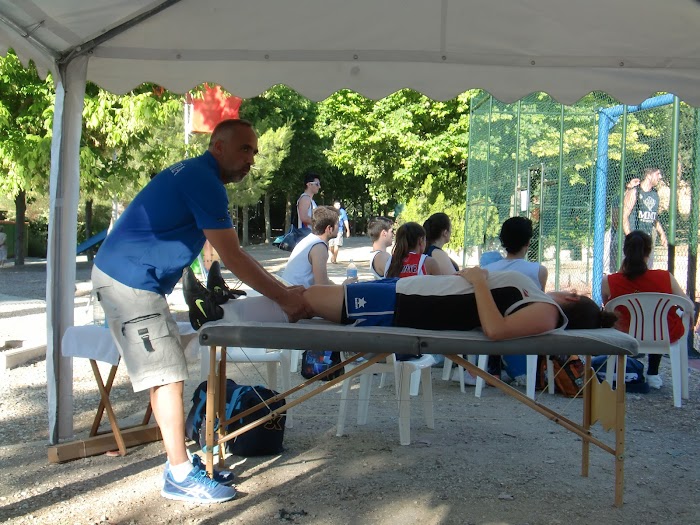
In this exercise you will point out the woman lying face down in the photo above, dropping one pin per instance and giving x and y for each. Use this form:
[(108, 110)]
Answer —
[(505, 305)]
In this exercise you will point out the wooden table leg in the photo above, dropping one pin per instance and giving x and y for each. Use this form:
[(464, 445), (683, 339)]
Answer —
[(587, 408), (620, 432), (211, 409)]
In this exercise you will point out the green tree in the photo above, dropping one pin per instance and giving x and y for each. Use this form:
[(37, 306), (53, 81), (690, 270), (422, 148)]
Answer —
[(26, 116)]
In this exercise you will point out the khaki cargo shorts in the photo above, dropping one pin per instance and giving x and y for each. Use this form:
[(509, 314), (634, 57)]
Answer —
[(144, 331)]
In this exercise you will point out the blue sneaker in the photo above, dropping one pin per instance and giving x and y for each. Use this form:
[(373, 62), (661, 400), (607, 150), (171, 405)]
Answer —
[(196, 488), (222, 477)]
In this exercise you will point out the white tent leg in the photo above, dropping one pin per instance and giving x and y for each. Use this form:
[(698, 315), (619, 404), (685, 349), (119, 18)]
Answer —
[(60, 260)]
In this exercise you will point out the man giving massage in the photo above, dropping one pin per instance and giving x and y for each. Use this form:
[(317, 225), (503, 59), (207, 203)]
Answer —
[(505, 305)]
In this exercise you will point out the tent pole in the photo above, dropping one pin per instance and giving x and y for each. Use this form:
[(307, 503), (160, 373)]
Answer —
[(60, 260)]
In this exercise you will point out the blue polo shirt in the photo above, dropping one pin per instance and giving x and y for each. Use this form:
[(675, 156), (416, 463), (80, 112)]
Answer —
[(160, 232)]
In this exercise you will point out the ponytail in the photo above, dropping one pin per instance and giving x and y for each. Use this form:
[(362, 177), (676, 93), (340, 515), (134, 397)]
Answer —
[(636, 249), (407, 238)]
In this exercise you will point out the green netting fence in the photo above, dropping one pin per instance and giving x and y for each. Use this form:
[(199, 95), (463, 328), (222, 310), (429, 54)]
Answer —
[(540, 159)]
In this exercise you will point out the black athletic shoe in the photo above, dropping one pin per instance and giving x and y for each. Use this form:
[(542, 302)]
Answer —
[(199, 301), (220, 292)]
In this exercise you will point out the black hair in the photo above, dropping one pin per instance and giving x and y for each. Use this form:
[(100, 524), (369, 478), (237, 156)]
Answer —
[(586, 314), (516, 232), (434, 226), (310, 177), (407, 238), (636, 249)]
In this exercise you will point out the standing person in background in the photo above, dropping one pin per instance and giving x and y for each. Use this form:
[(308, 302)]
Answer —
[(343, 228), (305, 203), (408, 258), (438, 230), (515, 236), (3, 247), (635, 276), (381, 232), (641, 208), (159, 235)]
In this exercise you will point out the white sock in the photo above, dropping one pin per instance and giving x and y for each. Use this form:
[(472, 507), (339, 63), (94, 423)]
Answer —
[(180, 472)]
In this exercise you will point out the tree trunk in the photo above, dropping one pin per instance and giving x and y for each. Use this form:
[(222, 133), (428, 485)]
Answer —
[(21, 213), (288, 213), (268, 225), (246, 239), (88, 228)]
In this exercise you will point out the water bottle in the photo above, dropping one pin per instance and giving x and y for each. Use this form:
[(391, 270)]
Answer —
[(352, 271)]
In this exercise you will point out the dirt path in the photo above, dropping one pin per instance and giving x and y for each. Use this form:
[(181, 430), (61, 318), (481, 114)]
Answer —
[(488, 460)]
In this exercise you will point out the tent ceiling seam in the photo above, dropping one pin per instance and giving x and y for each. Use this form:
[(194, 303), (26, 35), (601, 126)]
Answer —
[(88, 46)]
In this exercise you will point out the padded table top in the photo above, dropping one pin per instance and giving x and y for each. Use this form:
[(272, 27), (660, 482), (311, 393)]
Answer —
[(323, 335)]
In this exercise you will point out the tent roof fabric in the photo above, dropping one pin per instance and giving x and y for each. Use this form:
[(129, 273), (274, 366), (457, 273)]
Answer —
[(630, 49)]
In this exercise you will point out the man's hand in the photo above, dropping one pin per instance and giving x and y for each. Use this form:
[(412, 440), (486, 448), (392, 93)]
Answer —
[(633, 183), (474, 274), (295, 305)]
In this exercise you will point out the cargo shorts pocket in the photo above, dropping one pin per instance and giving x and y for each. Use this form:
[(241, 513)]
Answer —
[(145, 330)]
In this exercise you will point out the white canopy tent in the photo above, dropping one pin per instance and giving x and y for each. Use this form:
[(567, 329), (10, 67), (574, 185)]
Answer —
[(627, 48)]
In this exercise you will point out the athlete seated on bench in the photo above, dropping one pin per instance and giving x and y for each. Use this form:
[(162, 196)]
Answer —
[(505, 305)]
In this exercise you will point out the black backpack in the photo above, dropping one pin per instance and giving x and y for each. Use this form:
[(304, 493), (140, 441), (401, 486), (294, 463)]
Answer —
[(635, 382), (263, 440)]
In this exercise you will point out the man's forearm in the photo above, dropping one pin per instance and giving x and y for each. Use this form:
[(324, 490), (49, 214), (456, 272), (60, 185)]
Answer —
[(252, 273)]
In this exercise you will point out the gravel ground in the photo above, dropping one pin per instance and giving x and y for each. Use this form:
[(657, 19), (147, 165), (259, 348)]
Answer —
[(488, 460)]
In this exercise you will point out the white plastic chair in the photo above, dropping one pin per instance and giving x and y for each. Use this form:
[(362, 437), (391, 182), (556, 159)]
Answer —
[(649, 326), (447, 371), (531, 372), (402, 371)]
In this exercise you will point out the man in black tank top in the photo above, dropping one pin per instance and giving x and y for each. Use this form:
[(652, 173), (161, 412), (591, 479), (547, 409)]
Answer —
[(641, 207)]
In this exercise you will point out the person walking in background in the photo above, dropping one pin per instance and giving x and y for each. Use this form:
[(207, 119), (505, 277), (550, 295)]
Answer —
[(381, 233), (641, 208), (158, 236), (3, 247), (343, 228), (635, 276), (408, 258), (308, 262), (305, 203), (438, 230)]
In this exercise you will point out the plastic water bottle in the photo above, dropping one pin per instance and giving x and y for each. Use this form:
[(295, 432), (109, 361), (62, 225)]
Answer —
[(352, 271)]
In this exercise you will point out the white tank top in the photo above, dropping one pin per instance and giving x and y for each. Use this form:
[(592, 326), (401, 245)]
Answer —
[(310, 212), (371, 265), (531, 269), (299, 270)]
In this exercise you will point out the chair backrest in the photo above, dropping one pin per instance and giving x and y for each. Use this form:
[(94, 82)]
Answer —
[(649, 316)]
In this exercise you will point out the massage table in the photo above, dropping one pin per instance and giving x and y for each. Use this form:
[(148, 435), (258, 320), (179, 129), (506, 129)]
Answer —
[(601, 403)]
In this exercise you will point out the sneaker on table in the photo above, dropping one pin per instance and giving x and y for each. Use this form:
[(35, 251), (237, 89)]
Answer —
[(196, 488), (220, 291), (200, 303)]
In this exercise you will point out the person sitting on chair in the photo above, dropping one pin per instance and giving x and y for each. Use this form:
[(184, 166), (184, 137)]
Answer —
[(308, 262), (381, 232), (635, 276), (438, 230)]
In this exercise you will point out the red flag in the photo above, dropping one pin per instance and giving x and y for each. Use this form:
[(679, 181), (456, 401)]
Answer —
[(213, 107)]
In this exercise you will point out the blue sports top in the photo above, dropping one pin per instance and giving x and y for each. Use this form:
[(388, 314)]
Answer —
[(160, 232)]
